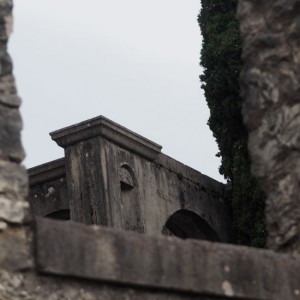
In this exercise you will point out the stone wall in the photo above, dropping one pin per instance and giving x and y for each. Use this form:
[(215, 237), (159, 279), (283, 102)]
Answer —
[(14, 210), (114, 177), (15, 237), (76, 261), (13, 178), (58, 260), (48, 192), (271, 89)]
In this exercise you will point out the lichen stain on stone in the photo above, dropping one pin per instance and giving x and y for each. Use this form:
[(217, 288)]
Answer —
[(226, 269), (51, 191), (227, 288)]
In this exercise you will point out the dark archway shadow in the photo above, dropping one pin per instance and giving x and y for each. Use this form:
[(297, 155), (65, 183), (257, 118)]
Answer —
[(63, 214), (187, 224)]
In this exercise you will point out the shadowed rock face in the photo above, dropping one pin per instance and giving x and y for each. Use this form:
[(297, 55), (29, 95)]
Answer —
[(271, 91)]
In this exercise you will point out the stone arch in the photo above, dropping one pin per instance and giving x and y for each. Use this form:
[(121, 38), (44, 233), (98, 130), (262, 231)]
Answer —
[(127, 178), (187, 224)]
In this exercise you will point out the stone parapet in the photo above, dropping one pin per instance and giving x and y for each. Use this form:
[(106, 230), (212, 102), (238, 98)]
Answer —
[(189, 173), (165, 263), (47, 172)]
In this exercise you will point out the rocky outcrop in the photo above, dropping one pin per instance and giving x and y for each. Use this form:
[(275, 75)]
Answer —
[(15, 239), (271, 92), (13, 178)]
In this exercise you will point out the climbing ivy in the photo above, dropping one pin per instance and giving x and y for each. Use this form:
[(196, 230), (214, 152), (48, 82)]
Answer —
[(221, 61)]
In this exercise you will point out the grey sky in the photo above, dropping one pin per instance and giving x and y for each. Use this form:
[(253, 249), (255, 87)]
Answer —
[(135, 62)]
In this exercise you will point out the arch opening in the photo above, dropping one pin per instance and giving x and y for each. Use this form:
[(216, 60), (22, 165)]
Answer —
[(187, 224), (62, 214)]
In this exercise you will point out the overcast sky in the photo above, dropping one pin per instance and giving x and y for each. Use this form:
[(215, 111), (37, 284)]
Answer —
[(135, 62)]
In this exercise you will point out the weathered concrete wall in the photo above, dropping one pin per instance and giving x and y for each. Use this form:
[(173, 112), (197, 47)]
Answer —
[(119, 179), (48, 192), (271, 90), (165, 264)]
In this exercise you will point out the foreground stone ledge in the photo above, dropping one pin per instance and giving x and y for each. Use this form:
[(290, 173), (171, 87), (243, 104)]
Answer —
[(199, 267), (31, 286)]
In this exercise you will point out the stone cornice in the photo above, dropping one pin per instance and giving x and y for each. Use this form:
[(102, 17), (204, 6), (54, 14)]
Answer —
[(103, 127), (47, 172)]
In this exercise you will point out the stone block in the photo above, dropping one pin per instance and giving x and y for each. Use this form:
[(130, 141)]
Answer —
[(190, 266)]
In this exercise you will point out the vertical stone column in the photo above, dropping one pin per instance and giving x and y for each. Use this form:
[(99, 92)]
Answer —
[(98, 177), (271, 92)]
